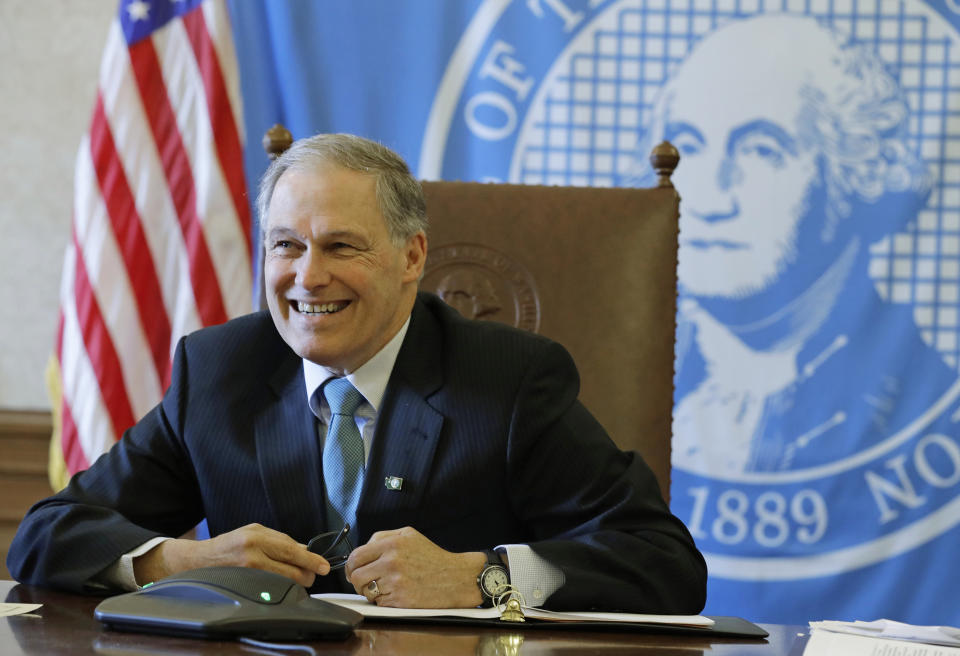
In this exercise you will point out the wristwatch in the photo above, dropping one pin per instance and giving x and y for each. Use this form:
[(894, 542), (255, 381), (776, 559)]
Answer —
[(493, 578)]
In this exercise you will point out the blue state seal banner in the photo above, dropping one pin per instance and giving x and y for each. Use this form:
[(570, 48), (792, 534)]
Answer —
[(816, 442)]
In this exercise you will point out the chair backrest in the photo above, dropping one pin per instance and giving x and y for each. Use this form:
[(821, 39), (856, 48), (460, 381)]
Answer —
[(591, 268)]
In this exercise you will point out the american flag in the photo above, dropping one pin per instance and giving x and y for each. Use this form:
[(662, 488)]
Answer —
[(161, 241)]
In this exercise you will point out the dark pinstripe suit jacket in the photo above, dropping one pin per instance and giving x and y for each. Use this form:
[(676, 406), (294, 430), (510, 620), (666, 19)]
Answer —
[(480, 420)]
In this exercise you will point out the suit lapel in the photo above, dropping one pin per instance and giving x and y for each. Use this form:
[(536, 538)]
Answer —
[(289, 456), (408, 427)]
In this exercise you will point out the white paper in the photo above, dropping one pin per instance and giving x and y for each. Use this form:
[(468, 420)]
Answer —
[(931, 635), (595, 616), (830, 643), (367, 609), (17, 609), (360, 604)]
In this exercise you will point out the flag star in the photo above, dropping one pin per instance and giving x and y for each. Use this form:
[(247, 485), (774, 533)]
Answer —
[(138, 10)]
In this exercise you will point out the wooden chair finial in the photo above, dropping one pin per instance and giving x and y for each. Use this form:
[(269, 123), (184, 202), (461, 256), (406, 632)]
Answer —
[(664, 159), (276, 140)]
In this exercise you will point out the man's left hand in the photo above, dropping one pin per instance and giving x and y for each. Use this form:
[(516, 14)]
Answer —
[(403, 569)]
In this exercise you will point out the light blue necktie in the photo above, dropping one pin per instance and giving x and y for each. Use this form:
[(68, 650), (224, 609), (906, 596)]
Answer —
[(342, 452)]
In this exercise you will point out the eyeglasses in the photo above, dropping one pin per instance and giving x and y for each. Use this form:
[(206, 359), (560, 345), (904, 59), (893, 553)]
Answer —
[(334, 546)]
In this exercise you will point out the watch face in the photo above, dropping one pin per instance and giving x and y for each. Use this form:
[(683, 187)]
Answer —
[(494, 579)]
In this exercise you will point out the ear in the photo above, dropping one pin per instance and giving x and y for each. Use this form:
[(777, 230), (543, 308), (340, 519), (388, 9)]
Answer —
[(415, 253)]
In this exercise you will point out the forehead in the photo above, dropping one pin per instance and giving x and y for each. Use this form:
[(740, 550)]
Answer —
[(751, 69), (324, 191)]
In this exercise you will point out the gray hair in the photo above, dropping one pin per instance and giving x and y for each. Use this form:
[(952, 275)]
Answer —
[(399, 194), (859, 125)]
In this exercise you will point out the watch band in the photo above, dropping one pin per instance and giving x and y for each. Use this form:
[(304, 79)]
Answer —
[(493, 558)]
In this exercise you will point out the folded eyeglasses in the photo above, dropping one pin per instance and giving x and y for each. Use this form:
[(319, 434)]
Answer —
[(333, 546)]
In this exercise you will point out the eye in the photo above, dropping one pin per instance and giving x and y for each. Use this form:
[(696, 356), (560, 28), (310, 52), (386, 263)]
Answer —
[(284, 247), (765, 149), (685, 137), (343, 247), (687, 144)]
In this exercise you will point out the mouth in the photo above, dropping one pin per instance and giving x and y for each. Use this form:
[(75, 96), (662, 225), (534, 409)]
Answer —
[(704, 244), (315, 309)]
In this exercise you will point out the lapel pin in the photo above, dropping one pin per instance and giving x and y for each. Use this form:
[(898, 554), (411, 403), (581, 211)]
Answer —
[(393, 482)]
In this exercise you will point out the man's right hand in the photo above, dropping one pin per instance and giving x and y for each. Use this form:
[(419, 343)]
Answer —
[(249, 546)]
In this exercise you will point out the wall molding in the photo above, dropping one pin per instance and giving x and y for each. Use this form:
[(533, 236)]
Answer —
[(24, 449)]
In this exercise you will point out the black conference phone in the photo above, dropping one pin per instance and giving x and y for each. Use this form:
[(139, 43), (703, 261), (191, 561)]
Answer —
[(226, 603)]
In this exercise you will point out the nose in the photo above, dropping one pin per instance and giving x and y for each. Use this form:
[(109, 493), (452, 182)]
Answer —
[(713, 203), (313, 270), (724, 208)]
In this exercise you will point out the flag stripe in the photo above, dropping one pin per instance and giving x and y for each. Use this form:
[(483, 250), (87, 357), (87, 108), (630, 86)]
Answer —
[(73, 454), (214, 203), (226, 136), (99, 346), (132, 243), (173, 157), (111, 286), (218, 27), (69, 444), (137, 152), (94, 432)]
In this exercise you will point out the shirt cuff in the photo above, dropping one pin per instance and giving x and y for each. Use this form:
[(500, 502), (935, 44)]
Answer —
[(533, 576), (120, 573)]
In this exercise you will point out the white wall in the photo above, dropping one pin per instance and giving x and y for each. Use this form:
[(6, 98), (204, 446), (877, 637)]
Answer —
[(49, 59)]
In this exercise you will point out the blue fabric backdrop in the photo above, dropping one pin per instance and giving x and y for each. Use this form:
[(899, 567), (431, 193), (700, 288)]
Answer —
[(816, 453)]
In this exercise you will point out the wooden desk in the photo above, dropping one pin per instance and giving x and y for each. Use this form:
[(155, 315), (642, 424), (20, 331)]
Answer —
[(65, 625)]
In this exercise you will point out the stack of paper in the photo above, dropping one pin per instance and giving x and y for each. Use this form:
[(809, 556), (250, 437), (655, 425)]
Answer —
[(881, 638)]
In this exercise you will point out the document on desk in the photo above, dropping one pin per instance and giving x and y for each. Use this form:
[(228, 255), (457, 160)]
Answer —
[(367, 609), (828, 643), (947, 636), (17, 609)]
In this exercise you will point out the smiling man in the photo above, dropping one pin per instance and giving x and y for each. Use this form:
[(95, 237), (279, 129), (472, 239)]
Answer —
[(463, 459)]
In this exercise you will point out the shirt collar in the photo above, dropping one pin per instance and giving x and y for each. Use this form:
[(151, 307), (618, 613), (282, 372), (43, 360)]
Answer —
[(370, 378)]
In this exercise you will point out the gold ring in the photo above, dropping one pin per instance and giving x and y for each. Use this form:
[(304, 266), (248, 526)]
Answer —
[(373, 588)]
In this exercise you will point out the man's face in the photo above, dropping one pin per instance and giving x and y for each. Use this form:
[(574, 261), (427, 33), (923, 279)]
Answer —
[(337, 287), (743, 174)]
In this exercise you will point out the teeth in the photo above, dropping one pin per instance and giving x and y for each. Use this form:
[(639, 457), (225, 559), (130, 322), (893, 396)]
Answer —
[(321, 308)]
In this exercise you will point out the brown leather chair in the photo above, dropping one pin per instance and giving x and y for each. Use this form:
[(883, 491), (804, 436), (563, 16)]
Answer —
[(591, 268)]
